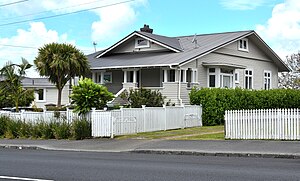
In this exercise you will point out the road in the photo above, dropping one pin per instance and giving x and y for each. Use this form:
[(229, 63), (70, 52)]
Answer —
[(62, 165)]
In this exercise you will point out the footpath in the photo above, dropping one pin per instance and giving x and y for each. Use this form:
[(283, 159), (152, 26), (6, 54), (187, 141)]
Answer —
[(230, 148)]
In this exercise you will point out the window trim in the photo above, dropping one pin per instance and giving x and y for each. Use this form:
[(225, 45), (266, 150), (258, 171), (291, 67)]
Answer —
[(270, 78), (246, 75), (105, 74), (236, 77), (142, 46), (44, 95), (247, 45)]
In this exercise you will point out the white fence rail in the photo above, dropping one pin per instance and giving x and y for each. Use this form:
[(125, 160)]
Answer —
[(125, 120), (146, 119), (279, 124)]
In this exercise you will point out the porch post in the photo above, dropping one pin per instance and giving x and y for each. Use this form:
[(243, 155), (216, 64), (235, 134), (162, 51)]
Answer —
[(184, 75), (125, 76), (102, 78), (165, 75), (177, 75), (134, 76), (94, 77)]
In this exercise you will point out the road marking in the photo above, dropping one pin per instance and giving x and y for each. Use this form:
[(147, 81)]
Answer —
[(20, 178)]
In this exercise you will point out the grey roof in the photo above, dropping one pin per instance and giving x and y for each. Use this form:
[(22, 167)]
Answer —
[(188, 51), (169, 41), (36, 82)]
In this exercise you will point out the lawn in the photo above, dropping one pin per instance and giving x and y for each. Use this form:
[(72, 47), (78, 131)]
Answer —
[(195, 133)]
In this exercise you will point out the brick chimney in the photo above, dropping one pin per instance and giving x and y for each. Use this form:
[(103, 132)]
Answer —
[(146, 29)]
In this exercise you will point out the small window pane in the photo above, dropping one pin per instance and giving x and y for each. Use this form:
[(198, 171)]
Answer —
[(212, 81), (211, 70), (41, 94)]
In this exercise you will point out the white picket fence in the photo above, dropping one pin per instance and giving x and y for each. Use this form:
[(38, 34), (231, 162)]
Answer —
[(279, 124), (146, 119), (125, 120)]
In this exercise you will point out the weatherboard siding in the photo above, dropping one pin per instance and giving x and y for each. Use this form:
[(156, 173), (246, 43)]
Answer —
[(257, 66), (51, 95), (254, 52), (170, 90), (117, 80), (129, 46)]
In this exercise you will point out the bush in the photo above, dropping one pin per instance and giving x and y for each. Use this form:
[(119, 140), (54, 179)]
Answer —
[(61, 130), (3, 124), (147, 97), (81, 129), (87, 95), (216, 101), (12, 128)]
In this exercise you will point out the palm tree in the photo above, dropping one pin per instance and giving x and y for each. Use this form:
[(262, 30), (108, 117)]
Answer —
[(61, 62), (13, 74)]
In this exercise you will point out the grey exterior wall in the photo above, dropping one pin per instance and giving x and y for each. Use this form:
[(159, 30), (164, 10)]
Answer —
[(129, 46), (117, 80), (151, 77), (254, 60)]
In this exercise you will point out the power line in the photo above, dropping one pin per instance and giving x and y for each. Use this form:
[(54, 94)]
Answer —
[(64, 14), (43, 12), (17, 46), (16, 2)]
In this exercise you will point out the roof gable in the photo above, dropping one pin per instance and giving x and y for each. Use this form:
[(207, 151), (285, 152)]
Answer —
[(166, 42)]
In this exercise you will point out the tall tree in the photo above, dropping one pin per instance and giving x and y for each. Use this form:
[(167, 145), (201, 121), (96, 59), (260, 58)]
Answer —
[(12, 85), (61, 62), (291, 79)]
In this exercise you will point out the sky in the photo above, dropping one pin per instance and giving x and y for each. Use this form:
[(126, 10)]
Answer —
[(26, 25)]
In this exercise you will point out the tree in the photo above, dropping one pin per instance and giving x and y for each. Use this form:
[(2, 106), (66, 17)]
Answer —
[(87, 95), (11, 86), (61, 62), (141, 96), (291, 79)]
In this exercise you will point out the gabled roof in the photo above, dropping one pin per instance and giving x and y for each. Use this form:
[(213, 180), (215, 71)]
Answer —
[(167, 42), (183, 50)]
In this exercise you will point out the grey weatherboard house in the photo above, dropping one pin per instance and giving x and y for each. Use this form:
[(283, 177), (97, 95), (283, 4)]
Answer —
[(173, 65)]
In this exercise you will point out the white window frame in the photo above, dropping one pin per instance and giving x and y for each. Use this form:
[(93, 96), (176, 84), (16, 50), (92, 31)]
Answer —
[(142, 46), (267, 79), (107, 74), (44, 95), (208, 77), (248, 76), (237, 77), (245, 49), (231, 76)]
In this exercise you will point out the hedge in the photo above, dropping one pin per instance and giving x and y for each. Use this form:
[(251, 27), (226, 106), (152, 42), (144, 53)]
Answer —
[(215, 101), (78, 129)]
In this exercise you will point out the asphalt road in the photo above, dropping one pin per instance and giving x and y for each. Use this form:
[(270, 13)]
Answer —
[(62, 165)]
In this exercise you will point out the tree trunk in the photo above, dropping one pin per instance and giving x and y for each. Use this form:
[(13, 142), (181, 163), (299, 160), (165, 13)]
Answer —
[(59, 97)]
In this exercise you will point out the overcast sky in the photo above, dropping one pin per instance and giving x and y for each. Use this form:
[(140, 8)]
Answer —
[(26, 25)]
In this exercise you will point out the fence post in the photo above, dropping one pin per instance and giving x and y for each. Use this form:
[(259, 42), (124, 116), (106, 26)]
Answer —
[(144, 117), (165, 116), (93, 122), (67, 115), (22, 114)]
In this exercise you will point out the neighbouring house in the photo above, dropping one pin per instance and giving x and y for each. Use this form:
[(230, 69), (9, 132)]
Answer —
[(173, 65), (45, 91)]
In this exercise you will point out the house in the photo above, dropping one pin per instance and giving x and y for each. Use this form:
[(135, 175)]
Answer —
[(45, 91), (173, 65)]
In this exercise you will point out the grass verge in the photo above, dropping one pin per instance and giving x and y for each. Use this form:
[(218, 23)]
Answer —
[(195, 133)]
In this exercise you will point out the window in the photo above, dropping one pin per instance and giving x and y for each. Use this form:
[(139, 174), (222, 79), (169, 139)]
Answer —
[(41, 95), (226, 78), (267, 80), (141, 43), (171, 75), (107, 77), (243, 45), (248, 79), (212, 77), (237, 77)]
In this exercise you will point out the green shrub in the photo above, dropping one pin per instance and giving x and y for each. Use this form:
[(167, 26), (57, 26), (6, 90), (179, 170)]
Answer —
[(81, 129), (3, 124), (25, 129), (141, 96), (216, 101), (61, 130), (12, 128), (87, 95)]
